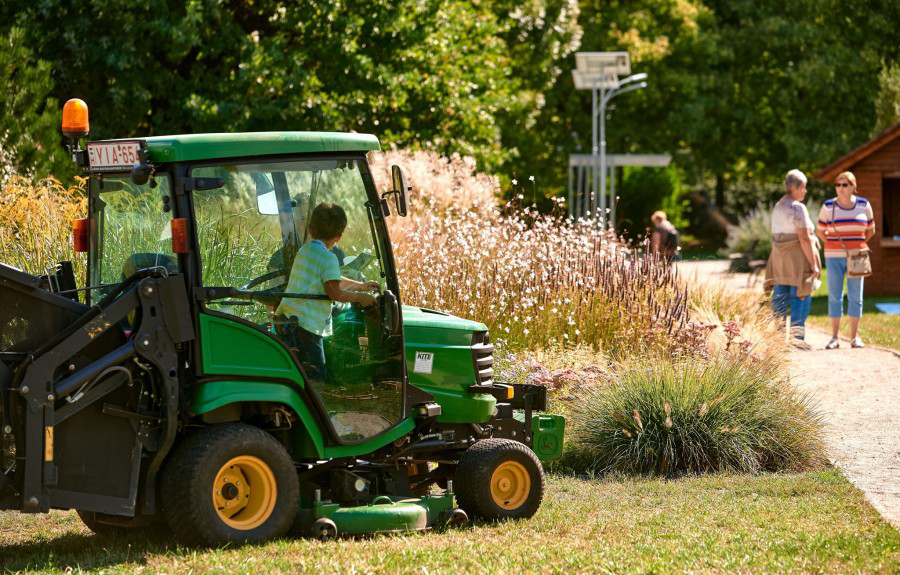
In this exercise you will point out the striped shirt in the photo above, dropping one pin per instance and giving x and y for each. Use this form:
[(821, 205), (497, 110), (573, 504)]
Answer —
[(849, 225), (313, 266)]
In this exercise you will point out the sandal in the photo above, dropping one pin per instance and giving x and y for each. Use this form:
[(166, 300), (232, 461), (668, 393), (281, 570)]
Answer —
[(834, 344), (857, 343)]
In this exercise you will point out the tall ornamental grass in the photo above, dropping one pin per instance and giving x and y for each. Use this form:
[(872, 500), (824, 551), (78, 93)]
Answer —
[(669, 416), (439, 183), (535, 279), (36, 223)]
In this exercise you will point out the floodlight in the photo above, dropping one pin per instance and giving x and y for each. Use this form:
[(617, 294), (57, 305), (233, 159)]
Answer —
[(594, 81), (617, 63), (633, 78)]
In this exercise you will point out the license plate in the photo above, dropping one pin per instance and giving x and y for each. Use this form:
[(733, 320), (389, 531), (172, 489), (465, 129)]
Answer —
[(113, 155)]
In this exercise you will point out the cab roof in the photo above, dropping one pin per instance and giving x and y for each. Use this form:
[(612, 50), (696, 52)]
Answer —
[(191, 147)]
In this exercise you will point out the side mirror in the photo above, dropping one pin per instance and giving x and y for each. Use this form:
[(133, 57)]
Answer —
[(266, 202), (399, 188)]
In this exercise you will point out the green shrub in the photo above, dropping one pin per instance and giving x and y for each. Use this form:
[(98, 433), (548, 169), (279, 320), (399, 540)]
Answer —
[(755, 230), (731, 412), (752, 231), (645, 190)]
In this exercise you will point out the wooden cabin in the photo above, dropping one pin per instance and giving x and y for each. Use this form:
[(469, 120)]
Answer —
[(876, 165)]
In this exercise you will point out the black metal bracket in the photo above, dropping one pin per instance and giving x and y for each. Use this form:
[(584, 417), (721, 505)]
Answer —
[(191, 184), (165, 322), (500, 391)]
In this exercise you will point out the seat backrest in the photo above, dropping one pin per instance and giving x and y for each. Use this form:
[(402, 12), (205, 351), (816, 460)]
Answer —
[(141, 261)]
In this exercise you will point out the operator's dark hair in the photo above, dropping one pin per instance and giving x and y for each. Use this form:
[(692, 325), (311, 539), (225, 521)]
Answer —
[(327, 221)]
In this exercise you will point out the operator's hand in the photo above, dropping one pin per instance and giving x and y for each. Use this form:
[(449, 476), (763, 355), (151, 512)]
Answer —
[(372, 286), (816, 273), (365, 299)]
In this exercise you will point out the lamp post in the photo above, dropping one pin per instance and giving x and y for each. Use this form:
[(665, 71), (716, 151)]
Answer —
[(629, 84), (600, 72)]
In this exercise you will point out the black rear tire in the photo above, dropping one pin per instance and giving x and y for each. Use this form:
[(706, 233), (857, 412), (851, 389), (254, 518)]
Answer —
[(223, 468), (499, 479), (106, 525), (93, 522)]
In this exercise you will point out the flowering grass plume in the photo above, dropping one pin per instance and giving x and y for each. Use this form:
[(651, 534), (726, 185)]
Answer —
[(438, 183), (535, 279), (36, 223)]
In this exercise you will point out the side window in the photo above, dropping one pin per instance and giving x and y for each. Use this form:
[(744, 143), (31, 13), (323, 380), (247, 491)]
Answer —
[(133, 232), (237, 243)]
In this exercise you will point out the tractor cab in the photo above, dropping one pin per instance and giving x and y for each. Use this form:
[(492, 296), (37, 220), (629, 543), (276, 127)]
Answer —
[(233, 227)]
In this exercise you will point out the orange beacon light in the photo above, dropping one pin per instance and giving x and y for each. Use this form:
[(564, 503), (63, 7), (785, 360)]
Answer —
[(75, 119)]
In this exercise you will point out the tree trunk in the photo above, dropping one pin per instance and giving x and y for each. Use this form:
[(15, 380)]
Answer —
[(720, 191)]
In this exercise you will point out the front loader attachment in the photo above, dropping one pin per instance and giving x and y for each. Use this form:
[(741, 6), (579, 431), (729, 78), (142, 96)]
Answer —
[(89, 400)]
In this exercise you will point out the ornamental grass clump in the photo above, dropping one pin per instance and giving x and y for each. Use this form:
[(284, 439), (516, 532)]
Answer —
[(36, 223), (537, 280), (671, 416)]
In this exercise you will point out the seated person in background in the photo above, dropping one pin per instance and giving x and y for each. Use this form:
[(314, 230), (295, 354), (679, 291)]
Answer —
[(665, 238), (315, 271)]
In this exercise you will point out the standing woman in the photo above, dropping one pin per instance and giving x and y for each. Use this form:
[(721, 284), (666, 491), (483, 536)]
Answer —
[(793, 265), (846, 223)]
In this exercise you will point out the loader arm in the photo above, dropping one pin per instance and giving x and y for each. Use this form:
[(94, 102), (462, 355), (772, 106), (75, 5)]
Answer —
[(54, 388)]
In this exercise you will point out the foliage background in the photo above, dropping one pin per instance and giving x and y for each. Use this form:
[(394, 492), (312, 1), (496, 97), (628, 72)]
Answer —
[(740, 91)]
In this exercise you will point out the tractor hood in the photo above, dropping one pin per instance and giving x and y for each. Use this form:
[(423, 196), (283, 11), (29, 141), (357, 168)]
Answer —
[(442, 355), (417, 317)]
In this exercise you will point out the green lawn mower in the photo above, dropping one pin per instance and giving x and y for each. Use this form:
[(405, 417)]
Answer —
[(163, 391)]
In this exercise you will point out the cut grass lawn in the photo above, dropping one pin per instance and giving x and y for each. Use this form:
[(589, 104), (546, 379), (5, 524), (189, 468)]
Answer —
[(875, 327), (807, 523)]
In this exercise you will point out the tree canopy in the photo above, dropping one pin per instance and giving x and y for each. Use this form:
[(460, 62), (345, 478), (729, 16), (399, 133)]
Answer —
[(739, 90)]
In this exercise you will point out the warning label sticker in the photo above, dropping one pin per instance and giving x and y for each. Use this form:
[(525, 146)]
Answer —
[(424, 362)]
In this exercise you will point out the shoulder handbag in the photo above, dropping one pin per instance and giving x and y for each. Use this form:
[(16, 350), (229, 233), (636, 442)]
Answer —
[(858, 263)]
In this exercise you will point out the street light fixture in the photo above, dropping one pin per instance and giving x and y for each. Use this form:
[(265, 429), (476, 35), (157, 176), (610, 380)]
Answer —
[(600, 72), (629, 84)]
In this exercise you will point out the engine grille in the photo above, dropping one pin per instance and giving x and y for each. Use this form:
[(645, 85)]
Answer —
[(483, 357)]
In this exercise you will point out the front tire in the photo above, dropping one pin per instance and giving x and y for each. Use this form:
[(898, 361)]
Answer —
[(231, 482), (499, 479)]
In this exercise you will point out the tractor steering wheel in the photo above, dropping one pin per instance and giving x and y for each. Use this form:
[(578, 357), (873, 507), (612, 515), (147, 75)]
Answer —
[(390, 313), (264, 278)]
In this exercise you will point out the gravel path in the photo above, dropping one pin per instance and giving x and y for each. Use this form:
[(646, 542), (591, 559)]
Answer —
[(858, 392)]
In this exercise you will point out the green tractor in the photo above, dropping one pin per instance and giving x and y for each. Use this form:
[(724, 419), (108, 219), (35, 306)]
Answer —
[(163, 392)]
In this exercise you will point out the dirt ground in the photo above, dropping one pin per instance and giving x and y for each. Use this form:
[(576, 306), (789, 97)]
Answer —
[(858, 394)]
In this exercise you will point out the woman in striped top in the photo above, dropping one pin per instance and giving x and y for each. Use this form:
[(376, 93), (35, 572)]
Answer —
[(845, 223)]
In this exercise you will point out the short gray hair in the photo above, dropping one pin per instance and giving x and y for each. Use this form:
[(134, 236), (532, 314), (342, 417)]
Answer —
[(794, 179)]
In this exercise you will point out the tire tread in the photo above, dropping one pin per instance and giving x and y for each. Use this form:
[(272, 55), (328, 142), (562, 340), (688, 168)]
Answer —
[(473, 474), (183, 511)]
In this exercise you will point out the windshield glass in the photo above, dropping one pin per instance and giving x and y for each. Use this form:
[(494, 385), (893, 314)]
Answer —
[(129, 231), (254, 235), (249, 231)]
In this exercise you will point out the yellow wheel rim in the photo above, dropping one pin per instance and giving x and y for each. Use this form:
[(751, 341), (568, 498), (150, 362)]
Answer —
[(244, 492), (510, 485)]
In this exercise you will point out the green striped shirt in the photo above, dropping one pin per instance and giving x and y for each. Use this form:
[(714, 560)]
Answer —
[(313, 266)]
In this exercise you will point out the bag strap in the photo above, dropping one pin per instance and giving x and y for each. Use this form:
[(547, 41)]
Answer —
[(834, 227)]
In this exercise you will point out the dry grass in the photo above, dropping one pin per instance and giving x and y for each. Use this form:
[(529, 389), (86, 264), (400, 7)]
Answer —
[(36, 223)]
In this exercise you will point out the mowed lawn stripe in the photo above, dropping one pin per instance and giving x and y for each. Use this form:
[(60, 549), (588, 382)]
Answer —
[(791, 523)]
